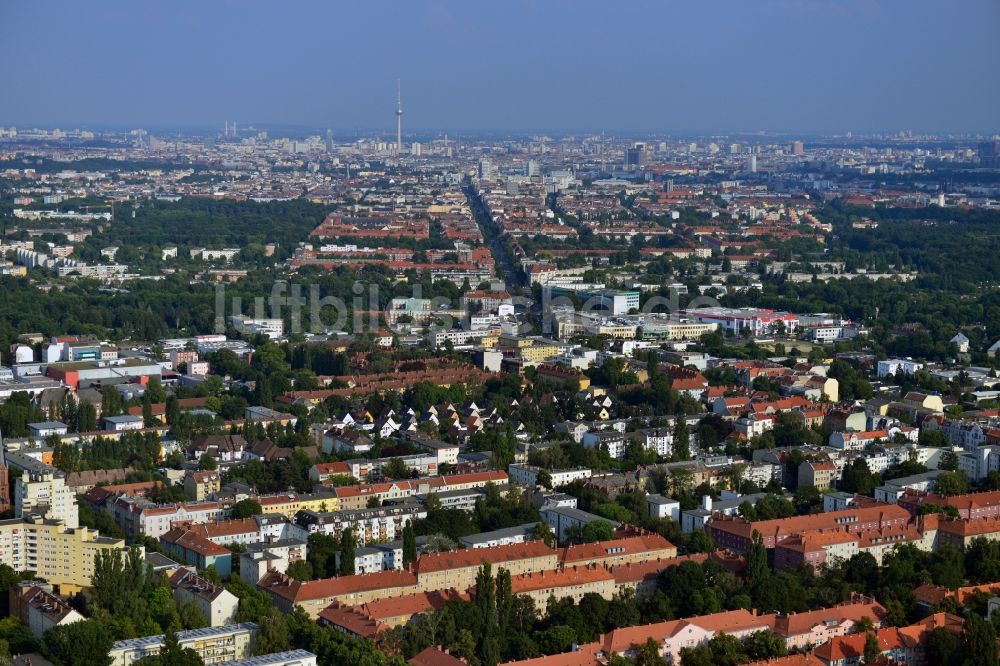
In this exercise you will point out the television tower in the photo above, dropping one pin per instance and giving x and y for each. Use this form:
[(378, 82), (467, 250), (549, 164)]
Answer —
[(399, 120)]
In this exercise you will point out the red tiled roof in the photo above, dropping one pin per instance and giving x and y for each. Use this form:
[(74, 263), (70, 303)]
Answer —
[(635, 572), (296, 591), (476, 557), (781, 527), (188, 540), (409, 604), (435, 656), (544, 580), (588, 654), (349, 619), (801, 623), (644, 543), (225, 528)]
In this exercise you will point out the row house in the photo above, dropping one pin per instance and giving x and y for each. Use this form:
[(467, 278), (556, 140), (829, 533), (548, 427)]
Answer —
[(967, 434), (630, 547), (969, 506), (432, 572), (961, 533), (735, 533), (224, 532), (373, 525), (812, 628), (905, 646), (137, 517)]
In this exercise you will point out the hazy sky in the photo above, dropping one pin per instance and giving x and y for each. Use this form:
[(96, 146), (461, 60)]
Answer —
[(782, 65)]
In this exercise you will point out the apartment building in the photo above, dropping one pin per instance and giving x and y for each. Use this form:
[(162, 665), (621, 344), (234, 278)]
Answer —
[(215, 602), (214, 645), (631, 547), (527, 475), (39, 609), (42, 490), (274, 555), (735, 533), (315, 595), (288, 658), (573, 583), (197, 550), (61, 555), (201, 485), (458, 569), (373, 525), (561, 519), (136, 516)]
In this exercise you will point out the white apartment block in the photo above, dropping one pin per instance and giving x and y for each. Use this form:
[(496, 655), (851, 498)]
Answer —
[(527, 475), (213, 644)]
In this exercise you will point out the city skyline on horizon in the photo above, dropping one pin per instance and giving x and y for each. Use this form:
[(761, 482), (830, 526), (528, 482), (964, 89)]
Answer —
[(783, 67)]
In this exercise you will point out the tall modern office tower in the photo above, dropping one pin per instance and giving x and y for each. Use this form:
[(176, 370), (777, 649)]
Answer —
[(399, 120)]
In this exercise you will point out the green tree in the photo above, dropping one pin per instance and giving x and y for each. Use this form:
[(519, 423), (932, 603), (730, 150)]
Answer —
[(148, 420), (300, 570), (545, 479), (111, 401), (155, 391), (395, 468), (246, 508), (857, 478), (766, 644), (980, 640), (409, 544), (172, 654), (84, 643), (207, 462), (682, 440), (757, 569), (597, 530), (872, 650), (348, 552), (951, 483), (273, 633), (86, 417), (949, 461), (649, 654), (942, 646), (543, 532)]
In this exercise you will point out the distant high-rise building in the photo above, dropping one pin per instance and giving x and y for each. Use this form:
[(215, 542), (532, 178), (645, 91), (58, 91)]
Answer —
[(989, 153), (636, 156), (752, 164), (798, 148), (486, 169), (531, 169), (416, 149), (329, 140)]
